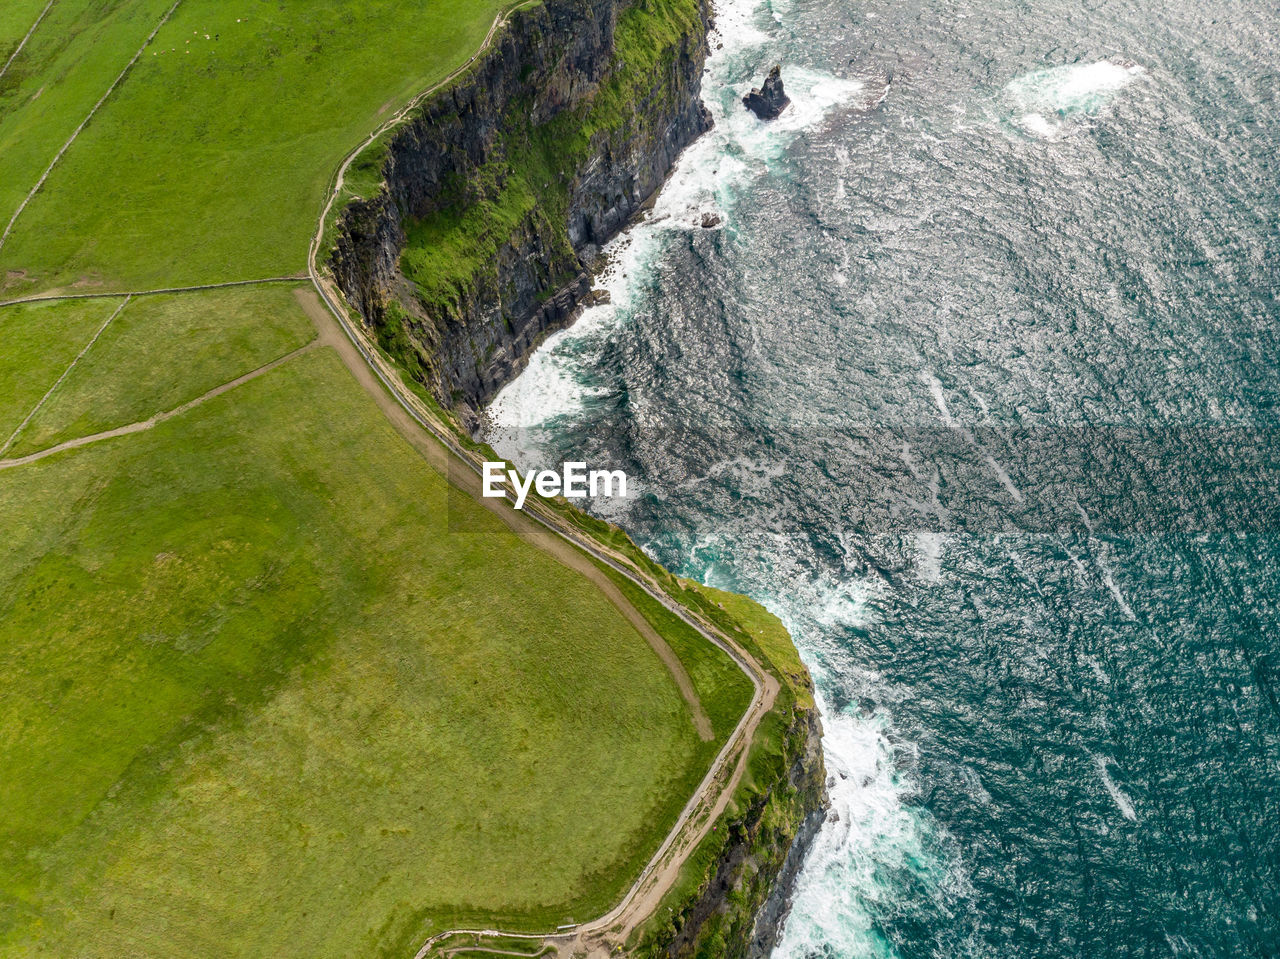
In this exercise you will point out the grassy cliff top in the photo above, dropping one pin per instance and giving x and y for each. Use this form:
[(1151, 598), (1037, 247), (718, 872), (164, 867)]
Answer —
[(210, 159)]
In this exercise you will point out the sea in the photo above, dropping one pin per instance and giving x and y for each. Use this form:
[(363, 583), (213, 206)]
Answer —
[(972, 379)]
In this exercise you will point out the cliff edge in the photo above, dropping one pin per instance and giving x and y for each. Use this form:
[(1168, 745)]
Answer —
[(468, 232), (487, 208), (734, 892)]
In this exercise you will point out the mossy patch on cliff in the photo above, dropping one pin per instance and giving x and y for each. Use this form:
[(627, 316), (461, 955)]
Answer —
[(527, 186), (449, 252)]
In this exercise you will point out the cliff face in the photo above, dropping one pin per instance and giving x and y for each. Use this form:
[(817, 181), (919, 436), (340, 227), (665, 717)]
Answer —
[(744, 896), (499, 192)]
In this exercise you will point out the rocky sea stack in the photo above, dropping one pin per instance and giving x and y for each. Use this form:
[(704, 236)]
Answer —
[(768, 101)]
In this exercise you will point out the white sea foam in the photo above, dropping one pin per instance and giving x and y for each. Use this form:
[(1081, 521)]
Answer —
[(944, 412), (1045, 101), (939, 397), (852, 875), (1098, 671), (929, 555), (1084, 517), (871, 833), (709, 176), (1115, 592), (1109, 581), (1037, 124), (1122, 801), (844, 604), (779, 9), (713, 171), (1003, 476), (841, 276)]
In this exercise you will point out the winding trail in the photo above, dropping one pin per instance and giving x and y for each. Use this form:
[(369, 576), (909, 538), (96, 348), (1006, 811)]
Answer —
[(424, 430)]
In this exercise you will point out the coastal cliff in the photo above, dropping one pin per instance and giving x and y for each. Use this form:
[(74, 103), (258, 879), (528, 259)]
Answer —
[(469, 231), (489, 205), (741, 901), (735, 892)]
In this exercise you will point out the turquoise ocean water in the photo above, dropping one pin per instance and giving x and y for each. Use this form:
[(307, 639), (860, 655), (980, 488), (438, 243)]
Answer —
[(975, 385)]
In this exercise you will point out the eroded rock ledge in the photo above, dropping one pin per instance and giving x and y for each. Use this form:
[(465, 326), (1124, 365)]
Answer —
[(740, 905)]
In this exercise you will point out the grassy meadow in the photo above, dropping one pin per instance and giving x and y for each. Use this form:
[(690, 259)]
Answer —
[(239, 108), (270, 705), (268, 693), (39, 341), (162, 351), (64, 69)]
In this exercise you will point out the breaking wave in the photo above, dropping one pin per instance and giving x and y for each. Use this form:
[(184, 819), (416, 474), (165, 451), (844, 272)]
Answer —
[(1045, 101)]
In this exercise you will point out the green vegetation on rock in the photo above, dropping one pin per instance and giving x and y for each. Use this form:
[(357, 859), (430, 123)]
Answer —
[(526, 188), (710, 912)]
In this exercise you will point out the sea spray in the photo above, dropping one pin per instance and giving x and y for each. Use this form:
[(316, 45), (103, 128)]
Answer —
[(1046, 101), (872, 847)]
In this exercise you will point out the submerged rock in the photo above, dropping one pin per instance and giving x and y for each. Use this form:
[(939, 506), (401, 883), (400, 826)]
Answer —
[(768, 101)]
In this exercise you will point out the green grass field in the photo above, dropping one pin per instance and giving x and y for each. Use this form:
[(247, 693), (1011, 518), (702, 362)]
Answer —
[(725, 691), (64, 69), (162, 351), (269, 693), (168, 185), (257, 668), (39, 342)]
